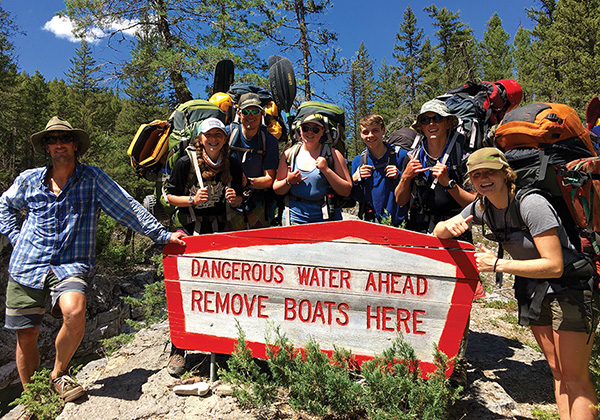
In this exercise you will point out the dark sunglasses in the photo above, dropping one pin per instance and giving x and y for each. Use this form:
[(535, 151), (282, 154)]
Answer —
[(64, 138), (307, 128), (436, 119), (251, 111)]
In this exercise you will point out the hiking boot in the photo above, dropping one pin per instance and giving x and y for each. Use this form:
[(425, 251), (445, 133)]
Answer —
[(67, 388), (176, 364), (459, 374)]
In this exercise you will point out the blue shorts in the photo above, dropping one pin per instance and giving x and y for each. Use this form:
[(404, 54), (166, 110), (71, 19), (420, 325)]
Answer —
[(26, 306)]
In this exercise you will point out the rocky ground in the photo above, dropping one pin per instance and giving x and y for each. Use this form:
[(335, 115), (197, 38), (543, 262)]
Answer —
[(507, 378)]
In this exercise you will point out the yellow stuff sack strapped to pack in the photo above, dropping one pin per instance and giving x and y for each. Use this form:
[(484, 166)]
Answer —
[(148, 149)]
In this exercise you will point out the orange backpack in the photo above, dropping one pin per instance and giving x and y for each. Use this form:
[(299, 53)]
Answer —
[(550, 150), (539, 125)]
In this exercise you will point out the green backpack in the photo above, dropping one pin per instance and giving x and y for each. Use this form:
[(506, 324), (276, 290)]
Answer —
[(185, 122)]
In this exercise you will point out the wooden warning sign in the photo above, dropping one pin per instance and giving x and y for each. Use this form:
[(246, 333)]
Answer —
[(352, 284)]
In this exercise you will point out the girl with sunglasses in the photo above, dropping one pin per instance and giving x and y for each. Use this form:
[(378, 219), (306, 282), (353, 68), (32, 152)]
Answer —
[(554, 286), (305, 175), (431, 181)]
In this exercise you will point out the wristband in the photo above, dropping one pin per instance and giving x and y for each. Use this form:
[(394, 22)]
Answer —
[(287, 181), (495, 264)]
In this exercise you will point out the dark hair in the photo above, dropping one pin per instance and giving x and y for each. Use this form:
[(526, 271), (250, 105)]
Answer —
[(207, 172)]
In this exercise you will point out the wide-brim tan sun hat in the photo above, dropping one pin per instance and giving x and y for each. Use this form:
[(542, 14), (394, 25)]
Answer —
[(58, 124), (439, 107)]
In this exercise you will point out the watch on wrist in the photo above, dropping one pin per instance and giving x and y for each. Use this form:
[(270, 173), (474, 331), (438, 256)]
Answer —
[(191, 199), (451, 184), (287, 181)]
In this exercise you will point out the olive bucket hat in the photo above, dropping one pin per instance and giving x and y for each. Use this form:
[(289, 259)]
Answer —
[(58, 124), (439, 107), (486, 158)]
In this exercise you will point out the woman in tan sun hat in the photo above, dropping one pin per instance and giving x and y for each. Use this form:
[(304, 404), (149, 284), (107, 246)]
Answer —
[(431, 181), (556, 289)]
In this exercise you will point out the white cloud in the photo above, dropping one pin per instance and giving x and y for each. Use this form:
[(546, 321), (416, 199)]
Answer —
[(62, 27), (126, 26)]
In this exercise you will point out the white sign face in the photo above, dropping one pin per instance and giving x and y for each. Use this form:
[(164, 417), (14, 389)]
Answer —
[(348, 292)]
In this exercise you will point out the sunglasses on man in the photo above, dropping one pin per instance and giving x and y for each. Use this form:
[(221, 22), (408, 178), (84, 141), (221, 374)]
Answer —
[(253, 111), (436, 119), (64, 138), (307, 128)]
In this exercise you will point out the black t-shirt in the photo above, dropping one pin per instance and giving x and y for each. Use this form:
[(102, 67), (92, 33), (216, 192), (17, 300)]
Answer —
[(183, 181)]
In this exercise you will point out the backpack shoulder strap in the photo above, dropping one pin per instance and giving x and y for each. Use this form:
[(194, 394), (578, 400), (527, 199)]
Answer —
[(391, 160), (363, 157), (234, 132), (291, 159), (193, 154)]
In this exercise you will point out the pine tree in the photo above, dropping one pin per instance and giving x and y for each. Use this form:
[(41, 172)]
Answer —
[(81, 76), (193, 34), (525, 63), (455, 55), (9, 110), (58, 94), (391, 98), (496, 51), (431, 85), (407, 51), (316, 44), (359, 97), (548, 78), (577, 50), (34, 114)]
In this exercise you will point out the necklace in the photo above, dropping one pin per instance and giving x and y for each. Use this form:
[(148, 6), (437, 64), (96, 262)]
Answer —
[(435, 159)]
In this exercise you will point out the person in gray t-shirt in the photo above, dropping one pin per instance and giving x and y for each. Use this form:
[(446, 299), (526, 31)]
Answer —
[(557, 298)]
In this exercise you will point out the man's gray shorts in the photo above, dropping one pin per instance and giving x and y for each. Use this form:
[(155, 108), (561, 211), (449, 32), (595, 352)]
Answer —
[(25, 306)]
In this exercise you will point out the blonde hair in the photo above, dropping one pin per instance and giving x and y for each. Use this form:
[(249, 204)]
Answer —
[(372, 119), (511, 182)]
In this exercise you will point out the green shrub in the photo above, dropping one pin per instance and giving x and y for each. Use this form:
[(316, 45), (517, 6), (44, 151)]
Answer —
[(321, 387), (544, 415), (154, 302), (39, 399), (112, 344), (390, 386), (502, 304), (251, 386)]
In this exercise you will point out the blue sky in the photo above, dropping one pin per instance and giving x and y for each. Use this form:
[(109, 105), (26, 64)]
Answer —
[(47, 45)]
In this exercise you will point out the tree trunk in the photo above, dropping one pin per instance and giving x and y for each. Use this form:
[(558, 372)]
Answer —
[(182, 93), (301, 17)]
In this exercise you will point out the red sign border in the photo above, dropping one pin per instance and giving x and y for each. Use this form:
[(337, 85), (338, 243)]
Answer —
[(460, 254)]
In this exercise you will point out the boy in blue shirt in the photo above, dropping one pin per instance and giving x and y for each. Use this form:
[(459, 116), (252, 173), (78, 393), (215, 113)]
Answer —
[(375, 174)]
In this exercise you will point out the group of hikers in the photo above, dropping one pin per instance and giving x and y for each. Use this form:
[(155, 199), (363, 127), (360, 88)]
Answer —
[(435, 186)]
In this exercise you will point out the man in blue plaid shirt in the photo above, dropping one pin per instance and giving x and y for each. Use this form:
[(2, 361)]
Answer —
[(54, 245)]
